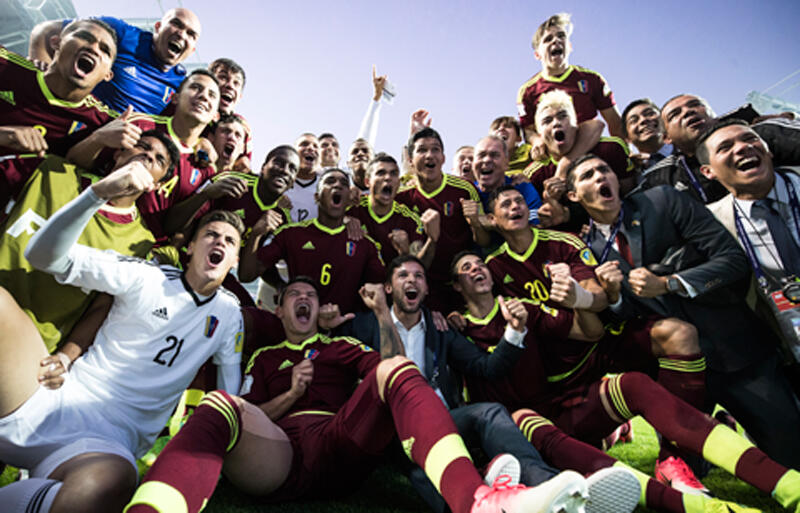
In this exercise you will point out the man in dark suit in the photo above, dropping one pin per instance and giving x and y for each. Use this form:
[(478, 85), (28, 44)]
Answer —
[(661, 252)]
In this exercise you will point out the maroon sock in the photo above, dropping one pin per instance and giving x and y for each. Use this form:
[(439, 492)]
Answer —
[(430, 438), (685, 377), (759, 470), (191, 462), (567, 453)]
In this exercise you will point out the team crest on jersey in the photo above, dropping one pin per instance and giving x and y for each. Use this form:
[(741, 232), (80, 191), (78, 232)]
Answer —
[(448, 208), (168, 92), (583, 86), (238, 342), (310, 354), (211, 326), (545, 265), (587, 257), (195, 177), (76, 126), (350, 248)]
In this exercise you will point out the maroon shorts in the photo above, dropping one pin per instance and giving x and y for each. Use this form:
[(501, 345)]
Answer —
[(332, 453)]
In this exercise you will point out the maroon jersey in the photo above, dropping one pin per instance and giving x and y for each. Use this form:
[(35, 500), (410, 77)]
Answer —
[(456, 234), (14, 173), (399, 218), (527, 383), (169, 110), (336, 263), (589, 91), (338, 365), (526, 275), (611, 149), (249, 206), (186, 180), (26, 100)]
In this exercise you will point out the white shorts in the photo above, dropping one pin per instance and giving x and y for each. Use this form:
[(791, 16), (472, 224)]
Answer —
[(53, 426)]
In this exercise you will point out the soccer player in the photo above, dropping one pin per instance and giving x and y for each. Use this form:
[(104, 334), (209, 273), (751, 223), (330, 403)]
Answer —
[(519, 152), (490, 167), (455, 200), (557, 124), (252, 198), (39, 108), (329, 150), (304, 206), (396, 229), (528, 387), (589, 90), (228, 136), (196, 103), (319, 248), (337, 426), (81, 441), (359, 157), (147, 70), (462, 163), (706, 287), (55, 308)]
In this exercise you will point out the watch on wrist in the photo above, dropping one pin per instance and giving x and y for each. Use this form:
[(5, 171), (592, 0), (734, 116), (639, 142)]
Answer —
[(673, 285)]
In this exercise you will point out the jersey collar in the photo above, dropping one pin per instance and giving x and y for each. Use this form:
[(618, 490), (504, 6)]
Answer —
[(51, 98), (373, 215), (195, 297), (528, 252), (329, 231), (561, 77), (485, 320)]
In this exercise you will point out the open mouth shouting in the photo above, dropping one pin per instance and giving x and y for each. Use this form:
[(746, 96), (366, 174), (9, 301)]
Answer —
[(302, 312), (176, 47), (215, 257), (85, 63), (748, 163), (337, 198), (227, 150), (559, 135), (226, 98)]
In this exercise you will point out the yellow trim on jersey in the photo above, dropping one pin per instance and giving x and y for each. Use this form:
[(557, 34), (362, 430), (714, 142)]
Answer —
[(698, 365), (724, 447), (310, 412), (319, 337), (329, 231), (17, 59), (177, 140), (526, 85), (51, 99), (485, 320), (564, 375), (375, 216), (159, 496), (301, 224), (528, 252), (444, 452), (435, 191), (561, 77)]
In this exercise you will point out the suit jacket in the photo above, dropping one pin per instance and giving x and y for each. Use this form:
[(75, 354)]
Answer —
[(447, 353), (668, 228)]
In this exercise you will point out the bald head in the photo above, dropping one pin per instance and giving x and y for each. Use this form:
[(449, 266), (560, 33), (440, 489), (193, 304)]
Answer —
[(176, 36)]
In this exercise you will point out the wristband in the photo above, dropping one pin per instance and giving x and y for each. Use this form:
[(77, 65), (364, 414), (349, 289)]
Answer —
[(583, 298)]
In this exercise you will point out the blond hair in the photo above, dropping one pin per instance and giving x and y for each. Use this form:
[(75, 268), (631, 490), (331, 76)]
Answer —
[(557, 100), (562, 19)]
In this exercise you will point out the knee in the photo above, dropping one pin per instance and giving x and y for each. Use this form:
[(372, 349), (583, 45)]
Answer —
[(520, 413), (386, 367), (104, 485), (675, 337)]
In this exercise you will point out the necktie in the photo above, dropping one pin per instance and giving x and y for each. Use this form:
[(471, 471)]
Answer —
[(784, 242), (624, 248)]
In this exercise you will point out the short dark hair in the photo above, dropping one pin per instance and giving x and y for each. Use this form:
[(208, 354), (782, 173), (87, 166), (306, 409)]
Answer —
[(297, 279), (219, 215), (231, 64), (172, 151), (701, 150), (381, 157), (274, 151), (423, 134), (508, 120), (328, 171), (228, 118), (458, 256), (73, 25), (327, 135), (630, 106), (574, 165), (400, 260), (198, 71), (490, 201)]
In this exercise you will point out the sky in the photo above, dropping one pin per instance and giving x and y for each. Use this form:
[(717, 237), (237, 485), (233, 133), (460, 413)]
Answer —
[(309, 63)]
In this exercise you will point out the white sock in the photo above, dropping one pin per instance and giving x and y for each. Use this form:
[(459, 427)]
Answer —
[(34, 495)]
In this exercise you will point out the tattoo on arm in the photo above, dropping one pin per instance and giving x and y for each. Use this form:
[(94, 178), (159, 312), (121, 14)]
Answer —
[(391, 345)]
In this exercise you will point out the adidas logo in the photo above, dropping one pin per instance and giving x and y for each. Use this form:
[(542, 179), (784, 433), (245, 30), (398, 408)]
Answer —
[(161, 313), (507, 279), (285, 364), (130, 70), (8, 96), (239, 212), (308, 245)]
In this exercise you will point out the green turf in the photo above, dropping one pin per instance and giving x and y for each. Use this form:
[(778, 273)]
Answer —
[(386, 491)]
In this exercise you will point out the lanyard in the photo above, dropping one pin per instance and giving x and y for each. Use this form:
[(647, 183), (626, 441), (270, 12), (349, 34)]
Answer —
[(749, 249), (611, 237), (693, 179)]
